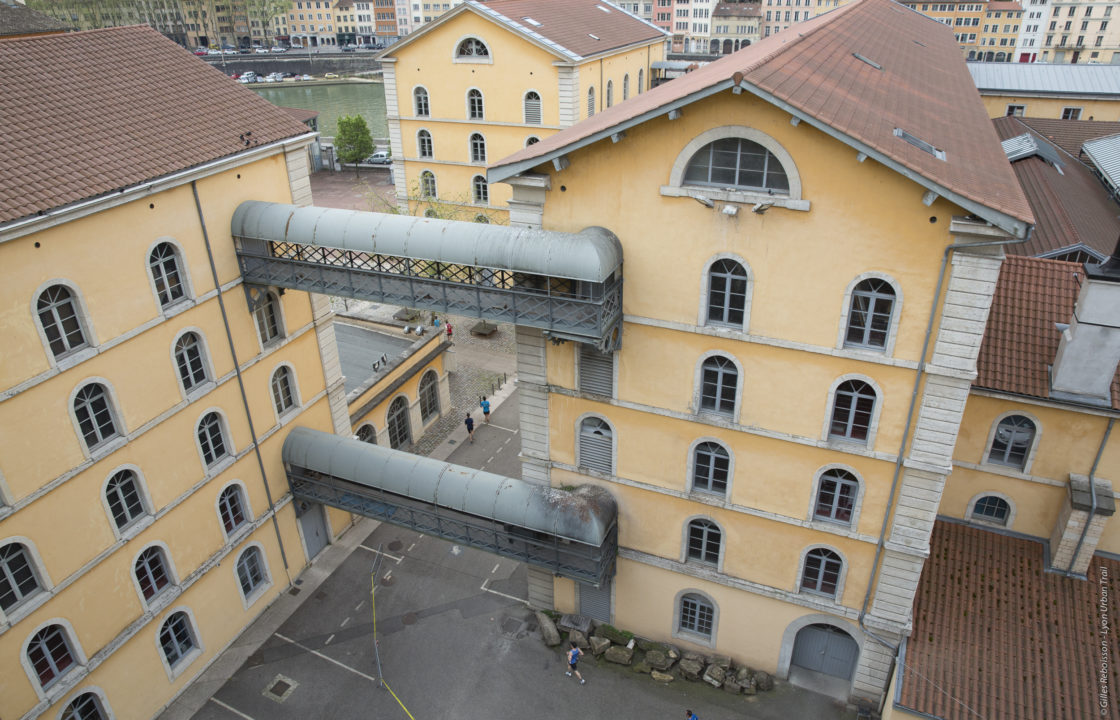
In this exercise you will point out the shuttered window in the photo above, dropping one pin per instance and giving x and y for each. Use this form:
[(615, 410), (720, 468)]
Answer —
[(596, 445), (596, 371), (532, 108)]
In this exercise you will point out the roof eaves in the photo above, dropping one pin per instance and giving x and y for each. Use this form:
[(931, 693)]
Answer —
[(1015, 227), (620, 49), (499, 173)]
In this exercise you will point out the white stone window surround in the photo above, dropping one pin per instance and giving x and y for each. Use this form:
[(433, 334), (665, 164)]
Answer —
[(246, 509), (138, 525), (789, 637), (46, 586), (846, 309), (857, 503), (839, 582), (111, 445), (89, 334), (293, 385), (184, 302), (1029, 460), (691, 468), (525, 106), (164, 596), (434, 195), (220, 463), (470, 148), (467, 103), (988, 522), (614, 444), (686, 530), (204, 348), (705, 286), (281, 322), (184, 662), (419, 146), (247, 601), (71, 677), (487, 59), (791, 200), (688, 635), (427, 95), (698, 385), (872, 429), (103, 699)]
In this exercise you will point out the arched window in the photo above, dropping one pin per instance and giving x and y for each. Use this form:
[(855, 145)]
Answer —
[(18, 580), (736, 163), (532, 140), (719, 380), (420, 102), (86, 706), (151, 572), (50, 655), (991, 508), (852, 409), (231, 509), (711, 466), (267, 316), (472, 48), (641, 80), (427, 184), (727, 293), (283, 390), (704, 539), (480, 190), (251, 574), (211, 439), (429, 396), (697, 615), (1011, 443), (94, 416), (475, 109), (188, 361), (399, 433), (821, 575), (367, 434), (176, 638), (58, 316), (596, 445), (590, 101), (482, 219), (166, 274), (478, 148), (532, 108), (626, 87), (610, 93), (836, 497), (122, 493), (869, 315), (424, 144)]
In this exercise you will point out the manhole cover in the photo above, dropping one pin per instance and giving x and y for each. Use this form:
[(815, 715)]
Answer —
[(511, 625), (279, 688), (409, 619), (395, 545)]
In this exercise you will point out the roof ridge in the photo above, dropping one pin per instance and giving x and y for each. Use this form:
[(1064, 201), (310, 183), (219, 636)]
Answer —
[(781, 47)]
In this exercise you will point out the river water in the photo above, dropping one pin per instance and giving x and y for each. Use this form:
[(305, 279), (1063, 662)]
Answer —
[(333, 100)]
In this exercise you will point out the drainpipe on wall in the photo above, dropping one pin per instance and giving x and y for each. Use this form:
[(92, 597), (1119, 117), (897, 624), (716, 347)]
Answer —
[(1092, 498), (910, 420), (240, 380)]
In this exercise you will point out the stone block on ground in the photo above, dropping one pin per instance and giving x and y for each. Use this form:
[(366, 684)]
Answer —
[(723, 662), (658, 660), (598, 645), (641, 667), (647, 645), (714, 675), (613, 634), (661, 677), (692, 655), (619, 654), (574, 622), (483, 329), (764, 680), (579, 639), (690, 669), (549, 632), (743, 674), (747, 685), (731, 686)]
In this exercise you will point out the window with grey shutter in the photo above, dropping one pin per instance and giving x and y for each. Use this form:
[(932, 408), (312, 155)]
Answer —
[(596, 371), (596, 445)]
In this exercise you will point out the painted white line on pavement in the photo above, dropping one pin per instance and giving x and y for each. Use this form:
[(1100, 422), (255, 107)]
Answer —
[(328, 640), (235, 711), (491, 459), (499, 427), (324, 657), (496, 566), (410, 547), (359, 606), (394, 558), (344, 621), (501, 594)]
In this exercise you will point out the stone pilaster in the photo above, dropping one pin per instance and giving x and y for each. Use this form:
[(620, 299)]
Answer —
[(532, 385), (1077, 511)]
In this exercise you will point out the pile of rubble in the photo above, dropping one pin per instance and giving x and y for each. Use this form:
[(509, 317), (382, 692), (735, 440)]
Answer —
[(662, 662)]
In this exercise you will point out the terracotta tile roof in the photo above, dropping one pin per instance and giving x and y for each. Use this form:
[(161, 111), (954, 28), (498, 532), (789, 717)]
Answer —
[(737, 9), (996, 637), (1003, 5), (82, 118), (18, 20), (1020, 340), (922, 88), (300, 114), (1070, 135), (1071, 207)]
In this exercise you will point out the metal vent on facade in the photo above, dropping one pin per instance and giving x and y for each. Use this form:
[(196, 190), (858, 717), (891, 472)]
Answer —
[(867, 60), (596, 371)]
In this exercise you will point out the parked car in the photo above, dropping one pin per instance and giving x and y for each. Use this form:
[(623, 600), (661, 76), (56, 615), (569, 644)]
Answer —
[(381, 157), (305, 76), (330, 75), (260, 50), (349, 48), (213, 52), (278, 49), (201, 51), (368, 46)]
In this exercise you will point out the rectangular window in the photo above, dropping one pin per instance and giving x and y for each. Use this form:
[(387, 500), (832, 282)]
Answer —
[(1071, 113), (1016, 110)]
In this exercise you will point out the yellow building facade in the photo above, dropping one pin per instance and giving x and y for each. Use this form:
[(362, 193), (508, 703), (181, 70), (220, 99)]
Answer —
[(481, 82)]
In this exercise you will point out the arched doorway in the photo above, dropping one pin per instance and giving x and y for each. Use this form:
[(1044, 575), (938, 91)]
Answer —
[(825, 649), (727, 47)]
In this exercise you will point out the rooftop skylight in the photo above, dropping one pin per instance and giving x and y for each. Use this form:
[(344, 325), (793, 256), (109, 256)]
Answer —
[(919, 143), (531, 21)]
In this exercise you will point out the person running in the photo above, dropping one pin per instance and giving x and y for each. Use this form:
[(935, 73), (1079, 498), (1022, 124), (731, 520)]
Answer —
[(469, 422), (485, 408), (573, 661), (448, 325), (689, 715)]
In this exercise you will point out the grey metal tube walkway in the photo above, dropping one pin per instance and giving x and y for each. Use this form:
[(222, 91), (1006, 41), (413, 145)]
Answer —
[(566, 284)]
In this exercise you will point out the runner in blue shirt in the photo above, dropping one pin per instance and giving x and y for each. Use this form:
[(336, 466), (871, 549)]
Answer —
[(485, 408), (573, 660)]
